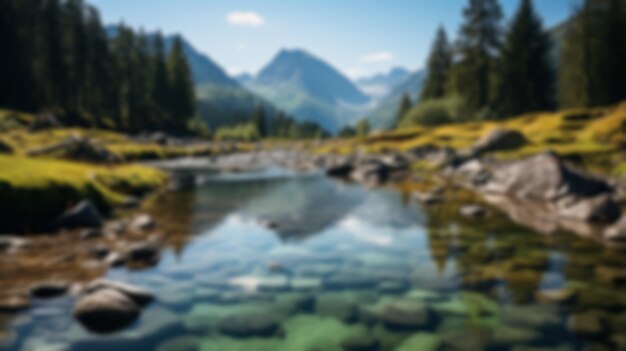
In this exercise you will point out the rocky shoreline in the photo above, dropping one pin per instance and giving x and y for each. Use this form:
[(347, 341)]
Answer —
[(543, 192)]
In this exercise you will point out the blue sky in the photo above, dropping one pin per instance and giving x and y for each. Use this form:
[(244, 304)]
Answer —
[(359, 37)]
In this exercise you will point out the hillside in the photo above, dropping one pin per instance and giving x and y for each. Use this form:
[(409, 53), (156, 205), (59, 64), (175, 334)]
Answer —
[(383, 115)]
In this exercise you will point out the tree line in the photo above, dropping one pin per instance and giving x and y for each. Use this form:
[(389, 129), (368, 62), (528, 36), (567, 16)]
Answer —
[(493, 71), (282, 126), (57, 57)]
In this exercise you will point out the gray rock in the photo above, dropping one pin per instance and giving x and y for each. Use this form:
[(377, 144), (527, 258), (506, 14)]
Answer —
[(139, 296), (617, 231), (146, 252), (546, 178), (49, 289), (473, 211), (428, 198), (99, 251), (341, 170), (499, 139), (90, 233), (142, 222), (371, 172), (106, 311), (84, 215), (14, 304)]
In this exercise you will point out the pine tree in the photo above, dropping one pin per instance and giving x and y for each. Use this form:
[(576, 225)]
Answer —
[(525, 75), (159, 84), (17, 85), (259, 121), (405, 105), (438, 67), (74, 50), (592, 70), (478, 47), (181, 89)]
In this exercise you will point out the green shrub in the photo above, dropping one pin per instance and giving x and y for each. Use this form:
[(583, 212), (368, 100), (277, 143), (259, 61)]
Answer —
[(435, 112), (240, 132)]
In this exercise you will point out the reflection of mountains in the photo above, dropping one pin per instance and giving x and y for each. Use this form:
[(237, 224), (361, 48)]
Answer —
[(386, 208), (302, 206)]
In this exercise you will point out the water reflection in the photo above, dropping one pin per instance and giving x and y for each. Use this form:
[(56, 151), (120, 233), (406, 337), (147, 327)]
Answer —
[(318, 264)]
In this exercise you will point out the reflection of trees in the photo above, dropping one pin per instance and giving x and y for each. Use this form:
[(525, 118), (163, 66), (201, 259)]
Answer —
[(488, 252)]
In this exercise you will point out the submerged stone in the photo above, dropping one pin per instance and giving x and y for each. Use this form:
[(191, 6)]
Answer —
[(505, 336), (589, 323), (183, 343), (360, 343), (421, 342), (405, 315), (336, 306), (106, 311), (248, 325)]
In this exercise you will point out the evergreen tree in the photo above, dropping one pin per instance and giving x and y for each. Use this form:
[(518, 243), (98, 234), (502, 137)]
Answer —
[(362, 127), (259, 121), (438, 67), (525, 75), (182, 97), (159, 83), (405, 105), (478, 47), (592, 68), (75, 60), (17, 88)]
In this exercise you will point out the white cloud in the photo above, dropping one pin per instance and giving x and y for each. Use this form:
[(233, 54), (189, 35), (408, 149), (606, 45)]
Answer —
[(233, 71), (245, 18), (352, 72), (377, 57)]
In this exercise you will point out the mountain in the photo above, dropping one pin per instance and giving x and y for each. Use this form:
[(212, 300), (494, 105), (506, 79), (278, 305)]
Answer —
[(310, 89), (243, 78), (384, 114), (379, 85), (222, 100)]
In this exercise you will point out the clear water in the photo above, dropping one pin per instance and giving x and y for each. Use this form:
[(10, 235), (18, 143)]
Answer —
[(341, 263)]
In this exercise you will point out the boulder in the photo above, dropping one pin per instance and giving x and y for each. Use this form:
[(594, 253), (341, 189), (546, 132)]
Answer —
[(5, 148), (473, 211), (341, 170), (428, 198), (49, 289), (14, 304), (371, 172), (146, 252), (45, 121), (499, 139), (545, 178), (616, 232), (139, 296), (106, 310), (91, 233), (83, 149), (142, 223), (84, 214)]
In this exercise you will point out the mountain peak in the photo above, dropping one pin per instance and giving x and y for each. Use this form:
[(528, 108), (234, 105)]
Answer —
[(306, 72)]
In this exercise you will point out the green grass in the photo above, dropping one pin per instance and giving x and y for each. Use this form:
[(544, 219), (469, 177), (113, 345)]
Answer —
[(583, 132), (34, 190)]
